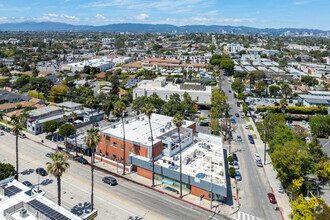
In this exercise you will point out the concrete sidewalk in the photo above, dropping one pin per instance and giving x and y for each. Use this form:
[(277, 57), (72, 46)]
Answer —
[(217, 207), (282, 198)]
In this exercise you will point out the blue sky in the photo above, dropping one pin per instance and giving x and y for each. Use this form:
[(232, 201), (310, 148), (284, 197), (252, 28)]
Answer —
[(254, 13)]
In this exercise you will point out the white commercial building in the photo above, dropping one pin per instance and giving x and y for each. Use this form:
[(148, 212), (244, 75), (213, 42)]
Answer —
[(202, 94), (101, 63), (18, 201), (108, 40)]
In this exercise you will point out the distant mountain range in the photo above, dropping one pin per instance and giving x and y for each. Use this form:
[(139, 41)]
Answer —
[(144, 28)]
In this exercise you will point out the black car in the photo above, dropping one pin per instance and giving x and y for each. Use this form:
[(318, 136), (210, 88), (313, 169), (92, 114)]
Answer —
[(229, 91), (7, 129), (237, 115), (109, 180), (82, 160), (235, 96), (96, 124), (41, 171), (238, 105), (235, 157), (2, 127)]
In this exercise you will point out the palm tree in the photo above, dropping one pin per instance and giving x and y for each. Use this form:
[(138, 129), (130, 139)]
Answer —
[(16, 129), (286, 89), (64, 118), (178, 121), (57, 167), (74, 117), (119, 108), (92, 139), (148, 110), (251, 76), (284, 104)]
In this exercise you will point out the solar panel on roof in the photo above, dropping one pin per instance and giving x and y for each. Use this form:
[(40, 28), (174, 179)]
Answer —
[(46, 210), (12, 190)]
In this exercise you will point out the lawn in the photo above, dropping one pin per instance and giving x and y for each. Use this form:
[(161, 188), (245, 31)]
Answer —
[(247, 119), (251, 128)]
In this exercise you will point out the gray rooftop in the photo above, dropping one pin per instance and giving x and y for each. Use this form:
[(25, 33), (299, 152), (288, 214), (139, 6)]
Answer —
[(43, 111), (69, 105)]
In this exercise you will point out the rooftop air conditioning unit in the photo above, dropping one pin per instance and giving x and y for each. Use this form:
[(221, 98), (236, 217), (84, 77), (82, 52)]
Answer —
[(162, 130), (126, 122), (22, 212), (184, 123), (149, 138), (141, 118), (113, 126)]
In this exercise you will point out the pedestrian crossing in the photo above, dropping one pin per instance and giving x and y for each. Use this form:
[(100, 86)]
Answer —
[(244, 216)]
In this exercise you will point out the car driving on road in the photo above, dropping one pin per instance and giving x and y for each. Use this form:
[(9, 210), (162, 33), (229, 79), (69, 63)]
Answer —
[(41, 171), (109, 180), (257, 156), (271, 198)]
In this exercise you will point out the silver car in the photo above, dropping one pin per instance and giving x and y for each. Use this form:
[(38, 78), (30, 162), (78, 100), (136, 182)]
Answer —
[(236, 166)]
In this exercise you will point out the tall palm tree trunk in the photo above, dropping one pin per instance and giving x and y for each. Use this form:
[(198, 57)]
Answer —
[(180, 163), (152, 156), (122, 120), (75, 139), (92, 172), (59, 190), (16, 176)]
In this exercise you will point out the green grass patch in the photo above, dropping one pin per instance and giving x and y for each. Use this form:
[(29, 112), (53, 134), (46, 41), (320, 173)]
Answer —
[(201, 118), (247, 119), (251, 127)]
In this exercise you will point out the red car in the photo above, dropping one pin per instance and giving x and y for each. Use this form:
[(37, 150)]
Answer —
[(276, 103), (271, 198)]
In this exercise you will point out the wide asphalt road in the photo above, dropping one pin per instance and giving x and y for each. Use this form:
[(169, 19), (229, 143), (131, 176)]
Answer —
[(254, 186), (112, 202)]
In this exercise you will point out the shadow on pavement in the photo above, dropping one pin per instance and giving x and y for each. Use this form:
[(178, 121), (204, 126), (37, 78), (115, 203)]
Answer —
[(27, 172), (229, 199), (82, 208), (46, 182)]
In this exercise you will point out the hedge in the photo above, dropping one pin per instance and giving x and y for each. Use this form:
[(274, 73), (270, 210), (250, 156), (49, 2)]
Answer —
[(295, 109)]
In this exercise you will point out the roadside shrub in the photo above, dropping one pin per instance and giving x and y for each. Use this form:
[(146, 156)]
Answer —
[(295, 109), (231, 171), (230, 159)]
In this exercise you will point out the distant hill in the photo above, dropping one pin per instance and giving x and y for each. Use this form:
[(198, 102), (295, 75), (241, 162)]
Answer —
[(144, 28)]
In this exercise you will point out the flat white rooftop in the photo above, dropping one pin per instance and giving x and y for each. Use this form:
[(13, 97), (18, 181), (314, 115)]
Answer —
[(137, 129), (147, 84), (203, 159)]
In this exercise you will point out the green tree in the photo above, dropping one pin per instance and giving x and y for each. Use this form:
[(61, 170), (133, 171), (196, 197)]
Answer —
[(22, 81), (231, 171), (173, 106), (107, 108), (156, 47), (16, 129), (286, 89), (51, 126), (290, 162), (148, 110), (260, 86), (237, 85), (309, 80), (58, 92), (57, 167), (320, 126), (178, 121), (6, 170), (114, 92), (273, 90), (118, 111), (241, 96), (139, 103), (323, 170), (66, 131), (269, 123), (92, 139)]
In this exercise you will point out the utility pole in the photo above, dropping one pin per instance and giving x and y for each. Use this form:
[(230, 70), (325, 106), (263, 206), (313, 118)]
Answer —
[(265, 139), (211, 194)]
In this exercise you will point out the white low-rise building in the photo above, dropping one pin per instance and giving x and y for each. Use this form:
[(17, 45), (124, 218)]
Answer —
[(101, 63), (202, 94)]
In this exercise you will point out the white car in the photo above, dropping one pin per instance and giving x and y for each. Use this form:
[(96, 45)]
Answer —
[(246, 127), (257, 156), (242, 116), (1, 133)]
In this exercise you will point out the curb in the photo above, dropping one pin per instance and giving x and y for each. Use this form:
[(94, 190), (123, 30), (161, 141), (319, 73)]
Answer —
[(160, 191)]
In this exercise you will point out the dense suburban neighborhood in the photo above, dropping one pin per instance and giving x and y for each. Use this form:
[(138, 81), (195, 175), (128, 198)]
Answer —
[(164, 125)]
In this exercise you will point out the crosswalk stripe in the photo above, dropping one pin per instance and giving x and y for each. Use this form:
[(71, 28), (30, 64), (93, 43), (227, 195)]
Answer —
[(244, 216)]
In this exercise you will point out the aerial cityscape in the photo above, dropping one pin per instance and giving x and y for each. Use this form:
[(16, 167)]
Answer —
[(138, 110)]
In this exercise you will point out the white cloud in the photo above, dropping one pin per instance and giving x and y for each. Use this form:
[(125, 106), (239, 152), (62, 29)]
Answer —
[(63, 17), (100, 17), (141, 17), (201, 20)]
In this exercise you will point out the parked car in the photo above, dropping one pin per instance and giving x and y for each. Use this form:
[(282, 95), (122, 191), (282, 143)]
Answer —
[(236, 166), (49, 154), (235, 157), (238, 176), (271, 198), (257, 156), (7, 129), (22, 135), (276, 104), (109, 180), (204, 123), (251, 141), (237, 115), (82, 160), (41, 171), (239, 138), (28, 184), (233, 120), (250, 137), (1, 133), (235, 96), (259, 163), (242, 116), (96, 124), (2, 127), (246, 126)]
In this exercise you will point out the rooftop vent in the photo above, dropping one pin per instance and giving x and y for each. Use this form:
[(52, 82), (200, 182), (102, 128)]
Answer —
[(126, 122), (22, 213), (112, 126), (141, 118), (162, 130)]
